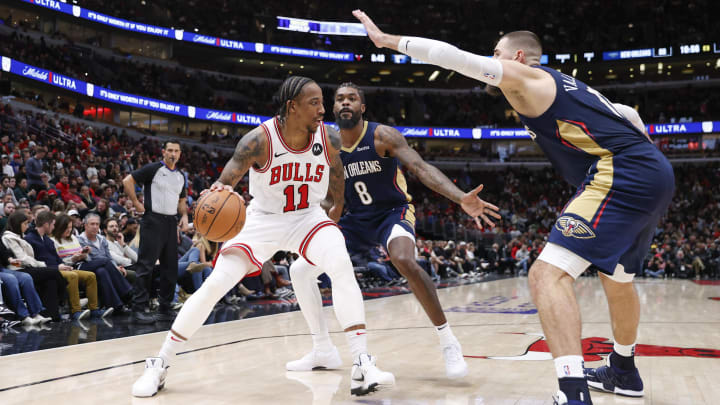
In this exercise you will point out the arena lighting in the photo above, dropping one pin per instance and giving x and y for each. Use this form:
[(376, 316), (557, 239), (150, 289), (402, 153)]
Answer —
[(574, 72), (351, 71), (384, 72), (419, 73), (375, 79), (717, 63), (434, 76), (262, 62), (642, 68), (194, 36)]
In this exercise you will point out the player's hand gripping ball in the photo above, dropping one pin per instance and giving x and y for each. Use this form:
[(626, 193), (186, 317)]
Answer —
[(219, 215)]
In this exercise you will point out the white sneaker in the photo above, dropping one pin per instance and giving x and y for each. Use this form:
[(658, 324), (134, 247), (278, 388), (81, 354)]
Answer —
[(29, 321), (153, 378), (41, 319), (365, 377), (560, 398), (83, 302), (316, 360), (455, 365)]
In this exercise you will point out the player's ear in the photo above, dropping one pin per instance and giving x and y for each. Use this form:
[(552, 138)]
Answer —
[(362, 108)]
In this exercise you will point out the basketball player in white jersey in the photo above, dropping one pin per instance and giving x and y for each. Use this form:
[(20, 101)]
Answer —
[(296, 175)]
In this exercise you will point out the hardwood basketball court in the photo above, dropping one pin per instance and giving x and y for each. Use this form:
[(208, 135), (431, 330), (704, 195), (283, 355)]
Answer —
[(242, 362)]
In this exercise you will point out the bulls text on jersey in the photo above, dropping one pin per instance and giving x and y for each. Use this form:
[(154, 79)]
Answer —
[(294, 172)]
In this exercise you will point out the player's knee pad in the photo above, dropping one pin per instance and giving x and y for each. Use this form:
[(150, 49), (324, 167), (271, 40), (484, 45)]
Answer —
[(619, 275), (564, 259)]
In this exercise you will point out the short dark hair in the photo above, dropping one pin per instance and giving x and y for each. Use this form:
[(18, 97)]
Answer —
[(289, 89), (352, 86), (165, 143), (43, 218), (528, 41), (15, 221), (107, 222)]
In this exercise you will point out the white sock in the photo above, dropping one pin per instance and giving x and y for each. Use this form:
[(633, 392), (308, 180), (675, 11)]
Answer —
[(569, 366), (173, 344), (322, 342), (357, 339), (445, 334), (624, 350)]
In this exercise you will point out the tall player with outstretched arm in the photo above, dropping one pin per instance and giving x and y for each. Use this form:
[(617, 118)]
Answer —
[(379, 211), (624, 182), (295, 174)]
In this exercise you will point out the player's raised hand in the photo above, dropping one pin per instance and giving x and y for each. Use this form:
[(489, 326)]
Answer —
[(475, 207), (378, 37)]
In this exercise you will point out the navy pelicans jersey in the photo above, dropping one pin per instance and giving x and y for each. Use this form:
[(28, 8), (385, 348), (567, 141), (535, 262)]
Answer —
[(580, 128), (291, 180), (624, 182), (372, 183)]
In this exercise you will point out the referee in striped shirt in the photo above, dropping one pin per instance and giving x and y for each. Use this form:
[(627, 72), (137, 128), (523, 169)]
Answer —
[(164, 197)]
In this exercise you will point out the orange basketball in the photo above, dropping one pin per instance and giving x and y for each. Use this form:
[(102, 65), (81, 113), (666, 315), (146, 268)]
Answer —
[(219, 215)]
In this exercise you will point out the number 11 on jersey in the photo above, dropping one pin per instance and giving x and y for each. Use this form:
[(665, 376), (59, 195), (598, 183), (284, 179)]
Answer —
[(290, 198)]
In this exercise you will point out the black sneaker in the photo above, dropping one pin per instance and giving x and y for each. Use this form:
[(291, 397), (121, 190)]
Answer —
[(611, 379), (143, 318)]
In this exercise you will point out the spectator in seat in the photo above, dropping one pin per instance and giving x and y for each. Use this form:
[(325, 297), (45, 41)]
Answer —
[(7, 210), (121, 253), (17, 286), (23, 192), (522, 260), (114, 288), (656, 266), (45, 250), (86, 197), (379, 264), (50, 283), (7, 169)]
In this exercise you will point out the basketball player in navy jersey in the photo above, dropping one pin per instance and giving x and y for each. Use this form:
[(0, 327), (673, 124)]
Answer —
[(379, 211), (624, 186)]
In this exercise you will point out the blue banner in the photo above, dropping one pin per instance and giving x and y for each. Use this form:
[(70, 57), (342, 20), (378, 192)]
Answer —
[(78, 86), (146, 103)]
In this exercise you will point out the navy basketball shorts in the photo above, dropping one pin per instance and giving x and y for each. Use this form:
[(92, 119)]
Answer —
[(363, 231), (613, 216)]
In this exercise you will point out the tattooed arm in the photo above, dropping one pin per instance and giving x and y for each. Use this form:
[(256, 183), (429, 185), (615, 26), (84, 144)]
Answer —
[(250, 150), (335, 198), (390, 142)]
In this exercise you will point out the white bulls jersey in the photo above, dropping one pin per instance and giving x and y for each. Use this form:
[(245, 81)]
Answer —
[(291, 180)]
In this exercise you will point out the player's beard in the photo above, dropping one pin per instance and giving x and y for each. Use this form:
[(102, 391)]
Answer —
[(493, 91), (347, 123)]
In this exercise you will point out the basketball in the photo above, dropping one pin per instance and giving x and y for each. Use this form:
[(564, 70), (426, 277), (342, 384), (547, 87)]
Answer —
[(219, 215)]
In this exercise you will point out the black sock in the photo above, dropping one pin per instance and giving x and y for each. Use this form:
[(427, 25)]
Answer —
[(575, 389), (622, 363)]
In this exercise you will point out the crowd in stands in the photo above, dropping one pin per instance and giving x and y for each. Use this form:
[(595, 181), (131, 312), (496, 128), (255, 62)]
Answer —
[(472, 25), (67, 226), (203, 89)]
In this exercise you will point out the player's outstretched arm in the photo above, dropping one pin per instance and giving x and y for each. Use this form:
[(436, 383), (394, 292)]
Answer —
[(335, 198), (393, 143), (506, 74), (252, 149)]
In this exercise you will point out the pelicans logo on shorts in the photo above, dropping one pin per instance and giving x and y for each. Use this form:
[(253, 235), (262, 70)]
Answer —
[(575, 228)]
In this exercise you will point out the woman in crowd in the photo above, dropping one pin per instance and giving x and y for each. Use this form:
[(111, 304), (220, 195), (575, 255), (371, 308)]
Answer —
[(49, 282)]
